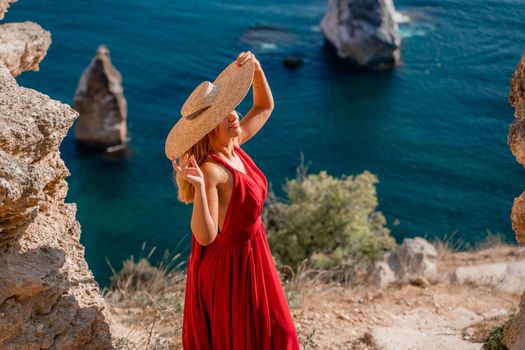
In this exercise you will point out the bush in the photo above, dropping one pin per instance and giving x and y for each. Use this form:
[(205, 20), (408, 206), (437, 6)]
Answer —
[(495, 340), (331, 222)]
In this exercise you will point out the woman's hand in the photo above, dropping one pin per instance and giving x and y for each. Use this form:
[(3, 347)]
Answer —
[(191, 174), (248, 56)]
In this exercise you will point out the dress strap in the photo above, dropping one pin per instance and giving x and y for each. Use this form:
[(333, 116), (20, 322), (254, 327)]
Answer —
[(220, 161), (228, 166), (244, 160)]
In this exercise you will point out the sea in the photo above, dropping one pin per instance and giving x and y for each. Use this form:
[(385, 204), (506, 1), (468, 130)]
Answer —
[(433, 130)]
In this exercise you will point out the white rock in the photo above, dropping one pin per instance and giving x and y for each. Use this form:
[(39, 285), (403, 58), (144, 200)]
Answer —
[(363, 32), (508, 277)]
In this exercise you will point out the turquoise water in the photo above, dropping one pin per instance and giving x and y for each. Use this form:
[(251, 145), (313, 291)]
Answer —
[(434, 130)]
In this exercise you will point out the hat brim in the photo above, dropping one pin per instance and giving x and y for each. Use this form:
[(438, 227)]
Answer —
[(233, 83)]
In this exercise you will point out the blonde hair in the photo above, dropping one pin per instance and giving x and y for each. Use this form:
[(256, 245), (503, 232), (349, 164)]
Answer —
[(186, 190)]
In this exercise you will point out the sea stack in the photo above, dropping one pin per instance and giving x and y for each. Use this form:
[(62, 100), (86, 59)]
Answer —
[(514, 331), (99, 99), (363, 32)]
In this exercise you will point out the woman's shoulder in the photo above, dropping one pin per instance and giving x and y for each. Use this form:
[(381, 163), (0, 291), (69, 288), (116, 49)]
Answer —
[(212, 170)]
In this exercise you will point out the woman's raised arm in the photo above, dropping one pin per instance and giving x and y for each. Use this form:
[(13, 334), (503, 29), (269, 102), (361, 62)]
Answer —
[(262, 100)]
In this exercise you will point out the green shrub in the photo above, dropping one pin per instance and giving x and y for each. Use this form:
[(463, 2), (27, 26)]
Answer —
[(495, 340), (329, 221)]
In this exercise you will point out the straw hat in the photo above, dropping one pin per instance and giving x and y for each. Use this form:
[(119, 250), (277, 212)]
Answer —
[(207, 106)]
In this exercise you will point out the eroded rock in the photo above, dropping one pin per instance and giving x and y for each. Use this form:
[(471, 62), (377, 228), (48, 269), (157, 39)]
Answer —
[(517, 90), (23, 46), (48, 296), (100, 101), (514, 331), (507, 277), (516, 142), (411, 262), (518, 218), (4, 5), (363, 32)]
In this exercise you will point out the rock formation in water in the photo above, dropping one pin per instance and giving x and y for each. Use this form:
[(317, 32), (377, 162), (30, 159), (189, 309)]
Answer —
[(363, 32), (514, 333), (4, 5), (100, 101), (48, 296)]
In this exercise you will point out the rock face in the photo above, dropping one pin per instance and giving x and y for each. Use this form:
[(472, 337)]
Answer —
[(4, 5), (48, 297), (412, 262), (516, 142), (363, 32), (23, 46), (514, 333), (100, 101)]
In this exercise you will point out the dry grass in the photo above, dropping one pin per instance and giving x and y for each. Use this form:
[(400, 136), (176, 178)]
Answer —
[(147, 300), (491, 240), (305, 285), (154, 294), (449, 244), (141, 277)]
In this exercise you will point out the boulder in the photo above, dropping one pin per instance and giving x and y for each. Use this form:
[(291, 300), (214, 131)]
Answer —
[(100, 101), (23, 46), (507, 277), (48, 296), (382, 275), (363, 32), (411, 262)]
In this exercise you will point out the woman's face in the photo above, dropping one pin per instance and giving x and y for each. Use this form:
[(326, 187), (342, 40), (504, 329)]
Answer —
[(229, 127)]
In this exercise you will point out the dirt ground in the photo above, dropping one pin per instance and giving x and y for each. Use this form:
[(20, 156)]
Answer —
[(330, 316)]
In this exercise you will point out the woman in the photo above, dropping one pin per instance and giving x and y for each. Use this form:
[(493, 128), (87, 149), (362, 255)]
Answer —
[(234, 298)]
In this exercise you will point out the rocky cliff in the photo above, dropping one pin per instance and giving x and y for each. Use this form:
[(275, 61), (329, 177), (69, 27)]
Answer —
[(515, 330), (23, 45), (4, 5), (48, 297)]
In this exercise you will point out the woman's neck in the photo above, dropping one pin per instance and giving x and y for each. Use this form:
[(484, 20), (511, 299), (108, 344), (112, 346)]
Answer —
[(226, 149)]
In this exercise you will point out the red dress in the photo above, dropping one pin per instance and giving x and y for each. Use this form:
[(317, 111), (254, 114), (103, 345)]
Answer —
[(234, 299)]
